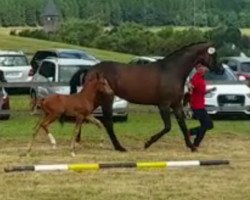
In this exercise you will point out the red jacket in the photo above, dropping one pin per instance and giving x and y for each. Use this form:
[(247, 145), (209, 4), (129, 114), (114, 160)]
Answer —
[(198, 91)]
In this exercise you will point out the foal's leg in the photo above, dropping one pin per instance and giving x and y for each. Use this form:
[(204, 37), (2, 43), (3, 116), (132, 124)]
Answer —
[(39, 125), (95, 121), (165, 115), (180, 116), (76, 130), (108, 123), (78, 137), (45, 124)]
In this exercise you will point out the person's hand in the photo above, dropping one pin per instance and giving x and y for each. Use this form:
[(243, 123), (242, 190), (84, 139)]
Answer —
[(213, 89)]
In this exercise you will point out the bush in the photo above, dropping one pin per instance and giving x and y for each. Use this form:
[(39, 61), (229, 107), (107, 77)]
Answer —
[(38, 33), (13, 32), (79, 32)]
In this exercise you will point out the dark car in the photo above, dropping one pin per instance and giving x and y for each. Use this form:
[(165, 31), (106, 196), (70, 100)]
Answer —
[(59, 53), (239, 65)]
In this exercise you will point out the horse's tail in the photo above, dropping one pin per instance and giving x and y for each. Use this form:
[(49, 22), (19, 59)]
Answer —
[(77, 79)]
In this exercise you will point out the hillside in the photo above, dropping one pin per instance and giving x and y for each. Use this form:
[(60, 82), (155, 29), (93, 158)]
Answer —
[(29, 46)]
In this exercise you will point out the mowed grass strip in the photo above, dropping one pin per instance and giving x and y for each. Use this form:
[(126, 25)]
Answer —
[(230, 139)]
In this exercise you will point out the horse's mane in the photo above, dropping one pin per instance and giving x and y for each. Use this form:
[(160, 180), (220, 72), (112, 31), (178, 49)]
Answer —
[(180, 50)]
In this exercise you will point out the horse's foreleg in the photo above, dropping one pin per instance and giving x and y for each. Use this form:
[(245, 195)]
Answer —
[(165, 115), (179, 114), (76, 131), (78, 136), (95, 121), (108, 124)]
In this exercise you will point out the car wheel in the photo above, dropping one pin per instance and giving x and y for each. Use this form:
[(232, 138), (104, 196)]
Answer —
[(121, 118)]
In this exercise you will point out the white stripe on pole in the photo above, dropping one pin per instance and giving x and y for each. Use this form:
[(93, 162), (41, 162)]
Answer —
[(183, 163), (60, 167)]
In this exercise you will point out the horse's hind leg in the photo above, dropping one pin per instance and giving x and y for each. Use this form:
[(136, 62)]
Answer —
[(165, 115), (108, 124), (45, 124), (180, 116), (39, 125)]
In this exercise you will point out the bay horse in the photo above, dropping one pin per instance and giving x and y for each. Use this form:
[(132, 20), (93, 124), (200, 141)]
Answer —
[(79, 105), (160, 83)]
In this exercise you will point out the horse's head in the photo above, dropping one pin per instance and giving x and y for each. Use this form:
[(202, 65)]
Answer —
[(207, 56), (102, 85)]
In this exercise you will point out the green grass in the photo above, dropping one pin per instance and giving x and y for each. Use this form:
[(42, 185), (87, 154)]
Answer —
[(30, 46)]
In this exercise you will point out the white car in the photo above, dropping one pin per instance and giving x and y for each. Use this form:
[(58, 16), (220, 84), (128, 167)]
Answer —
[(60, 70), (232, 96), (15, 66), (140, 60)]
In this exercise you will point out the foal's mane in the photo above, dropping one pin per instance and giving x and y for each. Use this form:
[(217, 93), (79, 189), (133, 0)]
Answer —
[(180, 50)]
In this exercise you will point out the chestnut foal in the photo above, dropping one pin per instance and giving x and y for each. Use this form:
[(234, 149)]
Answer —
[(79, 105)]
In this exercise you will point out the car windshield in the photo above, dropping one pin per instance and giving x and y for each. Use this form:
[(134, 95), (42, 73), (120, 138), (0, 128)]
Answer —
[(226, 76), (76, 54), (245, 67), (13, 60), (67, 71), (212, 76)]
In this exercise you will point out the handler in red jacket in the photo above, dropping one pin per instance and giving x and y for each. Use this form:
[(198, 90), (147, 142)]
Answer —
[(197, 102)]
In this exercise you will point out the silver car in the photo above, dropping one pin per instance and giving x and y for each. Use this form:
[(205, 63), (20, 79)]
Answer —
[(60, 70), (15, 66)]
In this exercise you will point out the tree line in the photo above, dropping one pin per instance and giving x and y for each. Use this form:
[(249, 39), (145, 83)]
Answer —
[(138, 39), (147, 12)]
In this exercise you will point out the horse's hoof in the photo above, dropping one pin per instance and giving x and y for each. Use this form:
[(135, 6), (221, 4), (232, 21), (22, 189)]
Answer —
[(73, 154), (194, 149), (121, 149), (54, 147), (147, 144)]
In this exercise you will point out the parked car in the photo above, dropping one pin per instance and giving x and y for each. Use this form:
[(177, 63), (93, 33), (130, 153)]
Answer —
[(15, 66), (231, 97), (239, 65), (4, 104), (59, 53), (145, 59), (56, 70)]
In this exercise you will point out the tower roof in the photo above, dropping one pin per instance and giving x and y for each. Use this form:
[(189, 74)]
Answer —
[(51, 9)]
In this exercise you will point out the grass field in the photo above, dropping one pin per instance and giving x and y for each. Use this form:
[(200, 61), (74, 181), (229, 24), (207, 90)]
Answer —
[(229, 140), (30, 46)]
